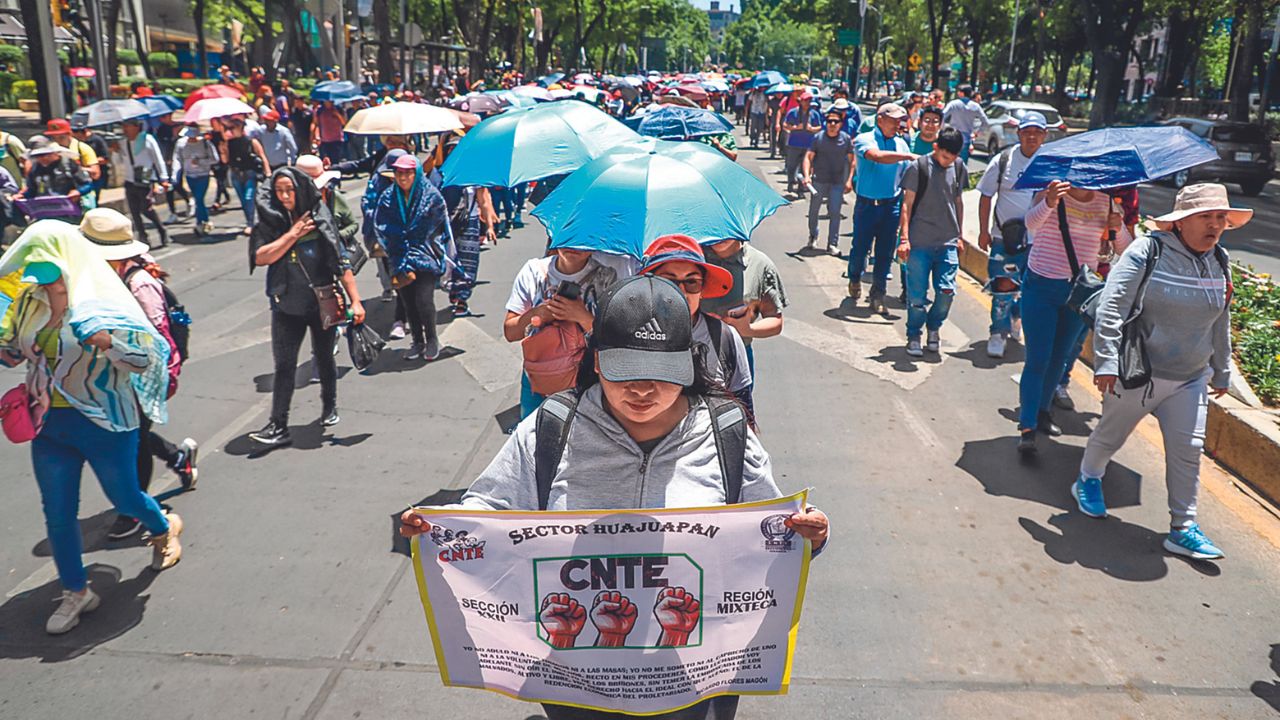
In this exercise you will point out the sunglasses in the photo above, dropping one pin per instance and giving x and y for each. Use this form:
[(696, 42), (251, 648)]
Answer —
[(834, 121), (691, 285)]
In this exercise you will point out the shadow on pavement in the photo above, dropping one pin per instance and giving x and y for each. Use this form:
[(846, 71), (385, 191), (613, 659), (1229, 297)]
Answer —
[(305, 437), (93, 530), (392, 360), (22, 618), (301, 377), (400, 544), (1123, 550), (1046, 477), (1269, 691), (1072, 422), (977, 356)]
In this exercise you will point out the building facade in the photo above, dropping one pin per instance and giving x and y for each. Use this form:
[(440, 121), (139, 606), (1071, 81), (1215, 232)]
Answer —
[(721, 19)]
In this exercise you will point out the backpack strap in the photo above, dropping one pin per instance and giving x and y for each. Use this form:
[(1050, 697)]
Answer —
[(722, 343), (550, 436), (1065, 230), (1221, 254), (922, 183), (729, 426), (1001, 167), (1152, 258)]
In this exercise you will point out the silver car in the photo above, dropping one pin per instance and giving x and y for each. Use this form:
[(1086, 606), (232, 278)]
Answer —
[(1005, 116)]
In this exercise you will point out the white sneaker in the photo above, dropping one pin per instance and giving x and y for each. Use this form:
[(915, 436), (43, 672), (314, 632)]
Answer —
[(1015, 330), (914, 349), (397, 331), (932, 343), (68, 613), (995, 345), (833, 250)]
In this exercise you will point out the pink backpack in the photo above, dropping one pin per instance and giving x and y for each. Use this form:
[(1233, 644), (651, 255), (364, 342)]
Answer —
[(16, 416)]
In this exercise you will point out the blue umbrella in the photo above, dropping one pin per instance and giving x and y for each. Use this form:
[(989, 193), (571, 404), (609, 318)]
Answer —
[(621, 202), (161, 105), (675, 122), (767, 78), (780, 88), (524, 144), (1114, 157), (336, 91), (512, 99), (553, 78)]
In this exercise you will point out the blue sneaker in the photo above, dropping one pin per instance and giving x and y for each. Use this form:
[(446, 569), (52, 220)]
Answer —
[(1192, 543), (1088, 494)]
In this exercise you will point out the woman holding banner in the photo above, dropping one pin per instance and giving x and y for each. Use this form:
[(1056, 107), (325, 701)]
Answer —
[(646, 426)]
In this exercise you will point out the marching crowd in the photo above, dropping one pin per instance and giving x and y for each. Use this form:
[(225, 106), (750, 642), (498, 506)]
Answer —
[(652, 356)]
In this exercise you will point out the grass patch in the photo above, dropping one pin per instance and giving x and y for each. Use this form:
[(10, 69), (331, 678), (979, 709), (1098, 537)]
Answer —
[(1255, 332)]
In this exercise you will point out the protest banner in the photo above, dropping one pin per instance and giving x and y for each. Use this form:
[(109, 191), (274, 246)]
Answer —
[(637, 611)]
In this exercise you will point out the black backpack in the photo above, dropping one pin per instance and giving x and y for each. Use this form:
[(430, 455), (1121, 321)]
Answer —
[(179, 320), (722, 342), (729, 426)]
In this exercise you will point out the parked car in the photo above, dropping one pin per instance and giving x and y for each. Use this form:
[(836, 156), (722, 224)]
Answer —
[(1244, 154), (1005, 116)]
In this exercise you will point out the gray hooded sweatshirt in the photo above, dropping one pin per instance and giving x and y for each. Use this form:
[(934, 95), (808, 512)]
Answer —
[(604, 469), (1184, 311)]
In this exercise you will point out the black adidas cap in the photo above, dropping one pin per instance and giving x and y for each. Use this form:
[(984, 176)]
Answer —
[(643, 332)]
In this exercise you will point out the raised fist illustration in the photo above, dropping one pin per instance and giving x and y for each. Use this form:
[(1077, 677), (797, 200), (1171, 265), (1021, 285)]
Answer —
[(614, 615), (563, 618), (678, 612)]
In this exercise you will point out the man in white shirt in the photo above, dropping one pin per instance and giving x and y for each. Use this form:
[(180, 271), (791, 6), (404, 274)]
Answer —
[(966, 116), (1005, 268), (144, 167)]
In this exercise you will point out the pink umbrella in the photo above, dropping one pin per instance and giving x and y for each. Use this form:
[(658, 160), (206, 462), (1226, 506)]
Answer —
[(205, 110)]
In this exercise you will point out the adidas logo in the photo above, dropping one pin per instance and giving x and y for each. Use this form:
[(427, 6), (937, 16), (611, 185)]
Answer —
[(651, 331)]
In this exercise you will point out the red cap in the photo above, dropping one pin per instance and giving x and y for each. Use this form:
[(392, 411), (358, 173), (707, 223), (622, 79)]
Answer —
[(672, 248), (271, 115), (143, 91), (58, 126)]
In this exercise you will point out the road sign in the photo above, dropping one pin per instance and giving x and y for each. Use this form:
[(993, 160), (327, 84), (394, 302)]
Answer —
[(913, 62), (849, 38)]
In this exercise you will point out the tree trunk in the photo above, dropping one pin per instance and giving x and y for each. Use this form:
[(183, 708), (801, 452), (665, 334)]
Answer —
[(110, 21), (1110, 79), (202, 54), (977, 57), (382, 20), (1242, 68), (1181, 45)]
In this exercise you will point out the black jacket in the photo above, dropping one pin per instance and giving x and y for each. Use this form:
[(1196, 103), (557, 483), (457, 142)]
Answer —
[(274, 220)]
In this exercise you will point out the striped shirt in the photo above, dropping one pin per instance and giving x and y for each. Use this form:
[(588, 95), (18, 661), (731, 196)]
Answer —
[(1087, 223)]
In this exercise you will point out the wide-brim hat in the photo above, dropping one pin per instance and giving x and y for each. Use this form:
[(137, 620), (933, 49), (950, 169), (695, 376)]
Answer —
[(717, 281), (1204, 197), (111, 234)]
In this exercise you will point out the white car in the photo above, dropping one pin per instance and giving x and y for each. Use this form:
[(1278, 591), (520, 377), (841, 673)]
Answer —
[(1005, 116)]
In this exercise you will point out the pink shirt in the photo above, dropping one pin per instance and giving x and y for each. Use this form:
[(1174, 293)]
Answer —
[(1087, 223), (329, 125)]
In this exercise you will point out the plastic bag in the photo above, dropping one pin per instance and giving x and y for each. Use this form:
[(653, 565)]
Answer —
[(365, 344)]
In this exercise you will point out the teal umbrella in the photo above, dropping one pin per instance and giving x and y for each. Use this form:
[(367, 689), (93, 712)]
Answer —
[(634, 194), (524, 144)]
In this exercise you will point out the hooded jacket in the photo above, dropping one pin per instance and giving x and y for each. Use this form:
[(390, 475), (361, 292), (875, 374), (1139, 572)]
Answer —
[(274, 220), (1184, 311), (604, 469)]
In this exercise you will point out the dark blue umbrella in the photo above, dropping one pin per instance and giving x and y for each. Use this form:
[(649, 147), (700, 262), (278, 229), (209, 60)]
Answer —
[(161, 105), (336, 91), (1115, 157), (676, 122), (767, 78)]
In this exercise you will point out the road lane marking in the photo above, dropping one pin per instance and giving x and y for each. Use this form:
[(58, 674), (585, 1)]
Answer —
[(916, 424), (493, 363)]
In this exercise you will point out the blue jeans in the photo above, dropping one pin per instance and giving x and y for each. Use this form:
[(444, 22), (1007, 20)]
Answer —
[(1051, 330), (874, 225), (941, 263), (1004, 305), (199, 187), (246, 184), (58, 455), (530, 401), (1072, 356)]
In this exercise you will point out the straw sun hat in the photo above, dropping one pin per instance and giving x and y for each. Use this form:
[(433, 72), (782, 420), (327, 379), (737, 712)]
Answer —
[(1203, 197)]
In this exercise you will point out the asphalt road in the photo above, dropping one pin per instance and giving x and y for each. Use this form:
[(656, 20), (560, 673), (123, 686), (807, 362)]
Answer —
[(959, 583)]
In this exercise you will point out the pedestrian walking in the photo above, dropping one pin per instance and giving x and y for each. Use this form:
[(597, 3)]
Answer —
[(277, 141), (773, 123), (1171, 292), (381, 179), (648, 429), (965, 115), (412, 222), (245, 159), (327, 134), (882, 158), (85, 135), (1002, 230), (13, 154), (801, 123), (1051, 326), (296, 239), (196, 157), (144, 169), (300, 118), (929, 122), (59, 131), (931, 226), (167, 133), (472, 221), (757, 112), (95, 366), (852, 115), (112, 237), (754, 304), (680, 259), (828, 169), (52, 174)]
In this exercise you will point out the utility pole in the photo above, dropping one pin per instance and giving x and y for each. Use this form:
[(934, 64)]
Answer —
[(98, 46), (37, 17), (1017, 12), (855, 72)]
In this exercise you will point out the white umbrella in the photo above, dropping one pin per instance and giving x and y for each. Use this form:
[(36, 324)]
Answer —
[(402, 118), (533, 91), (205, 110)]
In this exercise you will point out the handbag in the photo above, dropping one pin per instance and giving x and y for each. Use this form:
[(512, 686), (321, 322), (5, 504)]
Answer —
[(1135, 364), (1086, 285), (1013, 232), (552, 356), (333, 309), (15, 415)]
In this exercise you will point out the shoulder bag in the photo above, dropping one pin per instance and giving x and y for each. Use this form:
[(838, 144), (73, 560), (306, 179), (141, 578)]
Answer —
[(1135, 364), (333, 310), (1086, 285), (1013, 232)]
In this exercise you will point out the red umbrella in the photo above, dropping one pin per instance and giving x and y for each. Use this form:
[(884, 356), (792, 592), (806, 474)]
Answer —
[(693, 92), (212, 91)]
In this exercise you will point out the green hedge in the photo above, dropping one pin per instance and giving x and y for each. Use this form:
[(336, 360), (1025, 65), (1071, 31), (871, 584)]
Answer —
[(162, 60), (1255, 331), (24, 90), (10, 54), (127, 56)]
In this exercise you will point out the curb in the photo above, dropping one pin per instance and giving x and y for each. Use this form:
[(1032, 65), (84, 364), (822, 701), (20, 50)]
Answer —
[(1243, 439)]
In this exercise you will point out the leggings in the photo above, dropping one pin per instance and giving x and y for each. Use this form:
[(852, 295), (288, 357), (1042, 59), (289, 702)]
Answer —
[(286, 339), (419, 298), (1181, 408), (176, 191)]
